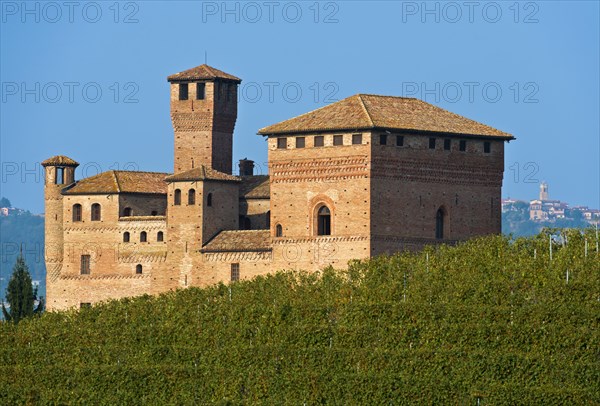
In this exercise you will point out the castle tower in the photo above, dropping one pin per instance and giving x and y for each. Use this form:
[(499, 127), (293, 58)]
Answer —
[(203, 112), (59, 173), (543, 191)]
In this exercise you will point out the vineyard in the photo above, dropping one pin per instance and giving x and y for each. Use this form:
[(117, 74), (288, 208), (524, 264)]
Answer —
[(493, 321)]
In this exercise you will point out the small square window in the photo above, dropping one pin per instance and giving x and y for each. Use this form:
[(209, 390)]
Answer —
[(486, 147), (432, 143), (338, 140), (447, 144), (382, 139), (235, 272), (300, 142), (319, 141), (183, 91), (399, 140), (356, 139), (282, 143), (462, 145), (200, 91)]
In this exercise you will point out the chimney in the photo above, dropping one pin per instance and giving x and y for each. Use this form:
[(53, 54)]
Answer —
[(246, 167)]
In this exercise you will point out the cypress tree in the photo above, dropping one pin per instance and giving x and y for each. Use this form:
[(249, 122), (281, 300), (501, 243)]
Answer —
[(20, 294)]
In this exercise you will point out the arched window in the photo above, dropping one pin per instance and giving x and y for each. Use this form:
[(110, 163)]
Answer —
[(245, 223), (96, 212), (77, 212), (191, 197), (138, 269), (143, 236), (324, 221), (126, 236), (209, 199), (160, 236), (127, 212), (278, 230), (268, 219), (439, 223), (177, 197)]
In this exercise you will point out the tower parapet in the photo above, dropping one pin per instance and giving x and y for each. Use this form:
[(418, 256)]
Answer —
[(203, 112)]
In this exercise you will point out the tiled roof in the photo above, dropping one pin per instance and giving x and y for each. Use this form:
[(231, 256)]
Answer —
[(120, 182), (239, 241), (365, 111), (202, 173), (202, 72), (60, 160), (255, 187)]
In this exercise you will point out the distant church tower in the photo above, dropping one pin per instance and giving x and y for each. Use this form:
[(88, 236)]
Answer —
[(543, 191), (203, 112)]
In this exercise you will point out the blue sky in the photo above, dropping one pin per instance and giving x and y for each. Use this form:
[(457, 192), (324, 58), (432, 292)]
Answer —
[(88, 79)]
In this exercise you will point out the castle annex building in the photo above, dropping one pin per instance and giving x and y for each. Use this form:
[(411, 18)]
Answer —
[(361, 177)]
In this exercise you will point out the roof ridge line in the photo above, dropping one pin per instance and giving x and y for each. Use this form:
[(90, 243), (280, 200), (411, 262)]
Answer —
[(362, 102), (114, 173)]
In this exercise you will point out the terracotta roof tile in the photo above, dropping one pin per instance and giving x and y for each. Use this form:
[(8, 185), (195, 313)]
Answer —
[(60, 160), (255, 187), (120, 182), (365, 111), (202, 173), (202, 72), (239, 241)]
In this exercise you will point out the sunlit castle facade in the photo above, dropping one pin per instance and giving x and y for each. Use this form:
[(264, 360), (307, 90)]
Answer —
[(364, 176)]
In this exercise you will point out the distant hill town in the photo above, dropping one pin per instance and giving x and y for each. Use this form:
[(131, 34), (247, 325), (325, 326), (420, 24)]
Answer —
[(523, 218)]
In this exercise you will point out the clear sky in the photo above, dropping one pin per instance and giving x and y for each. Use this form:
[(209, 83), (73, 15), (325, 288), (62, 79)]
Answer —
[(88, 79)]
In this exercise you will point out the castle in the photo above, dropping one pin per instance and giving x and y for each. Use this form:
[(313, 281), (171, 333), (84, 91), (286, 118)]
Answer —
[(364, 176)]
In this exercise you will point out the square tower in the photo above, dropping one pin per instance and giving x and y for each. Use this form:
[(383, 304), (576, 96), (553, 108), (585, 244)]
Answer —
[(203, 112)]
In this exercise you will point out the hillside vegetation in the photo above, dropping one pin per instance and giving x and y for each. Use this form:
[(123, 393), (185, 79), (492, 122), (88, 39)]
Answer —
[(492, 321)]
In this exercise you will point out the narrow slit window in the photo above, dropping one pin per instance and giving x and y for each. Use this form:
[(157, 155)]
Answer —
[(324, 221), (235, 272), (177, 197), (447, 144), (76, 212), (200, 91), (60, 176), (85, 264), (191, 197), (209, 200), (487, 147), (183, 91), (462, 145), (278, 230), (439, 223)]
